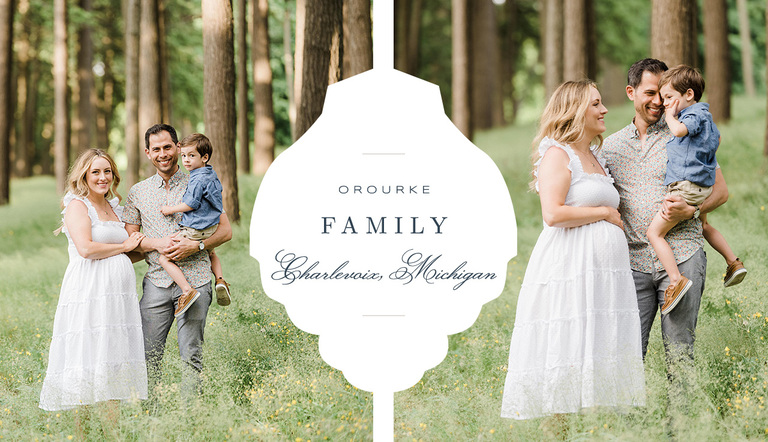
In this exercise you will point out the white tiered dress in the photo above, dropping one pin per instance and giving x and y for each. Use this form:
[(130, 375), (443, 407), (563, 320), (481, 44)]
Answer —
[(97, 350), (576, 340)]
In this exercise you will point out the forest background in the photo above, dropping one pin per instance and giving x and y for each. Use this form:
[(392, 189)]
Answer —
[(96, 73)]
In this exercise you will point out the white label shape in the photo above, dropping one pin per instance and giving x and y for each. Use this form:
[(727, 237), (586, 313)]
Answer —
[(383, 230)]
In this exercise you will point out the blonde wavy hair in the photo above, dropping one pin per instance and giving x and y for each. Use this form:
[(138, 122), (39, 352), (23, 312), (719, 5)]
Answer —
[(564, 118), (76, 180)]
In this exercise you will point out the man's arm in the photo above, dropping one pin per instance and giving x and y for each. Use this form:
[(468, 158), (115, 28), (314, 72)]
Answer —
[(183, 247), (675, 209), (148, 244)]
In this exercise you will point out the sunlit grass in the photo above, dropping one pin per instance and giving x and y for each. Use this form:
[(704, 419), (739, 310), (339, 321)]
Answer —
[(264, 379)]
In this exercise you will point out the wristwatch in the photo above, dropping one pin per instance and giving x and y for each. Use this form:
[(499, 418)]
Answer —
[(201, 245), (696, 214)]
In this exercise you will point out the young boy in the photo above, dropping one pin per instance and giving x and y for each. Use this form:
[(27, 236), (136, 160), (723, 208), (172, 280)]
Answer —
[(201, 207), (690, 173)]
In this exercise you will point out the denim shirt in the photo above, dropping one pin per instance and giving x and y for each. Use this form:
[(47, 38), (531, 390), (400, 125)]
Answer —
[(692, 157), (203, 195)]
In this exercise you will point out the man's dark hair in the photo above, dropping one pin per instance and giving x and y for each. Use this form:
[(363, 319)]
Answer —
[(199, 142), (652, 65), (156, 129)]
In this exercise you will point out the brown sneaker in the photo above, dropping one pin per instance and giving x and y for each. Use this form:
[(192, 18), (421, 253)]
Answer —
[(185, 302), (222, 292), (674, 293), (735, 273)]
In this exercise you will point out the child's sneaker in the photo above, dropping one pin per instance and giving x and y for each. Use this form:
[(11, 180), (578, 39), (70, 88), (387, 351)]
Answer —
[(735, 273), (222, 292), (185, 301), (674, 293)]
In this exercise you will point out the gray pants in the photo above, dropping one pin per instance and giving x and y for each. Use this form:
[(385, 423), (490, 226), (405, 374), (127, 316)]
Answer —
[(678, 328), (157, 305)]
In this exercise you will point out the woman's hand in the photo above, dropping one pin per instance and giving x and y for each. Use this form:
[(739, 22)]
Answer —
[(614, 217), (132, 242)]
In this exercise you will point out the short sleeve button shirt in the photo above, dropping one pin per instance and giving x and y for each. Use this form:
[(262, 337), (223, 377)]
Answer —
[(142, 207), (639, 170)]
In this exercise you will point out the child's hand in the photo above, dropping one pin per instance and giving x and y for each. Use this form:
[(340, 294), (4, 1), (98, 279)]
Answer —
[(671, 108), (166, 210)]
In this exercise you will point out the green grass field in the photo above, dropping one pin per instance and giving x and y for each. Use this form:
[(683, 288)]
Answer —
[(264, 379)]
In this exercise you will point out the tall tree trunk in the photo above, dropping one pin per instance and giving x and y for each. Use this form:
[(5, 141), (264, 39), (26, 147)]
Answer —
[(6, 117), (673, 31), (298, 83), (575, 40), (765, 149), (219, 97), (133, 141), (85, 116), (407, 35), (25, 147), (105, 106), (289, 78), (358, 43), (717, 59), (263, 110), (552, 45), (592, 62), (244, 162), (747, 70), (509, 51), (61, 94), (322, 21), (166, 104), (460, 91), (150, 92), (486, 110)]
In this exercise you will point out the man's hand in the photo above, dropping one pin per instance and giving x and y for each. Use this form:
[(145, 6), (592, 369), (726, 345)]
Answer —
[(181, 247), (675, 209)]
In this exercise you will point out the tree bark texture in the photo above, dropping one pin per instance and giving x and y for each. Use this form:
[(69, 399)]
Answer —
[(298, 83), (717, 60), (673, 31), (150, 92), (219, 97), (166, 104), (358, 40), (552, 45), (509, 51), (263, 109), (61, 95), (486, 105), (460, 81), (407, 35), (26, 92), (6, 117), (747, 69), (134, 142), (85, 116), (244, 158), (289, 77), (575, 40), (322, 21)]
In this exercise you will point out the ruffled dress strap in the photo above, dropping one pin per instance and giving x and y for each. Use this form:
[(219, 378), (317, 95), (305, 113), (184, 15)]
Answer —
[(68, 198), (574, 165), (115, 203)]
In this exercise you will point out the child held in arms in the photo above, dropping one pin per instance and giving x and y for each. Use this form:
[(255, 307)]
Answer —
[(201, 207), (690, 174)]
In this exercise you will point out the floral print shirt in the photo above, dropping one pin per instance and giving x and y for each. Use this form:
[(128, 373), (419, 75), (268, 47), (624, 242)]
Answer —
[(142, 207), (638, 170)]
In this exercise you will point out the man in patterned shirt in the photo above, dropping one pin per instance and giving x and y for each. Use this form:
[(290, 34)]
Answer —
[(160, 293), (637, 158)]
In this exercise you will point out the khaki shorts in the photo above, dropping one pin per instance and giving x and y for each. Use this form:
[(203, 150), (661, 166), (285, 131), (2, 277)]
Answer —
[(197, 235), (693, 194)]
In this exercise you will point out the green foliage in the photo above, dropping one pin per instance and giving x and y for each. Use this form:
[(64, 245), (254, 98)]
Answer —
[(265, 380)]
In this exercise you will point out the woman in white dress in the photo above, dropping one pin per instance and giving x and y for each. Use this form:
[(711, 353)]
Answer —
[(97, 349), (576, 339)]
